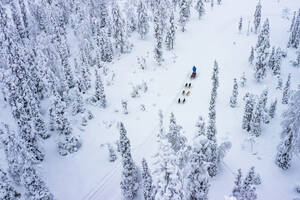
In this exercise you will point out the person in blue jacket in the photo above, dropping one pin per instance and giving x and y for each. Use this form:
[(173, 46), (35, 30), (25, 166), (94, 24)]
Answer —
[(194, 69)]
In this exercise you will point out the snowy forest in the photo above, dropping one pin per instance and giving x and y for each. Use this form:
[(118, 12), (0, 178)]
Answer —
[(150, 99)]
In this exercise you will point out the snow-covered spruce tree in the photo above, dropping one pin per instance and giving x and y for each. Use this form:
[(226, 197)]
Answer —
[(200, 125), (17, 20), (58, 109), (175, 137), (277, 64), (286, 91), (285, 154), (252, 177), (184, 14), (169, 179), (15, 153), (158, 34), (257, 16), (119, 32), (105, 45), (240, 24), (297, 62), (200, 8), (35, 186), (243, 80), (248, 190), (170, 37), (131, 18), (211, 128), (99, 94), (104, 15), (211, 132), (124, 106), (112, 153), (251, 57), (198, 179), (272, 109), (262, 52), (290, 132), (294, 38), (84, 81), (233, 98), (237, 189), (148, 188), (293, 21), (142, 23), (77, 104), (271, 62), (279, 82), (129, 181), (7, 191), (219, 1), (257, 118), (248, 113)]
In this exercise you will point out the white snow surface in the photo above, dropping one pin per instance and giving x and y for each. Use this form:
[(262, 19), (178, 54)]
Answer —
[(88, 175)]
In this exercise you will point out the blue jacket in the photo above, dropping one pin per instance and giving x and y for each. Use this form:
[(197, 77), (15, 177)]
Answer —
[(194, 69)]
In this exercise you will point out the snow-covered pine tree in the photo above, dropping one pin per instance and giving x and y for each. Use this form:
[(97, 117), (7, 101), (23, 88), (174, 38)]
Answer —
[(243, 80), (211, 128), (290, 132), (251, 57), (248, 113), (240, 24), (59, 111), (169, 179), (77, 104), (7, 191), (294, 38), (142, 23), (184, 14), (124, 106), (175, 137), (200, 125), (248, 189), (119, 32), (293, 21), (200, 8), (104, 15), (35, 186), (262, 52), (277, 64), (131, 18), (279, 82), (252, 177), (198, 179), (170, 37), (286, 91), (271, 62), (272, 109), (129, 182), (284, 154), (257, 16), (233, 98), (112, 153), (105, 45), (219, 1), (15, 153), (99, 94), (148, 188), (236, 192), (257, 118), (158, 34)]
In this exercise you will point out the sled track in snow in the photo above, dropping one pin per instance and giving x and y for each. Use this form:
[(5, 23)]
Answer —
[(100, 186)]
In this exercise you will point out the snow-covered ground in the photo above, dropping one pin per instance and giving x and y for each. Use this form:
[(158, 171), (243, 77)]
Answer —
[(88, 174)]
